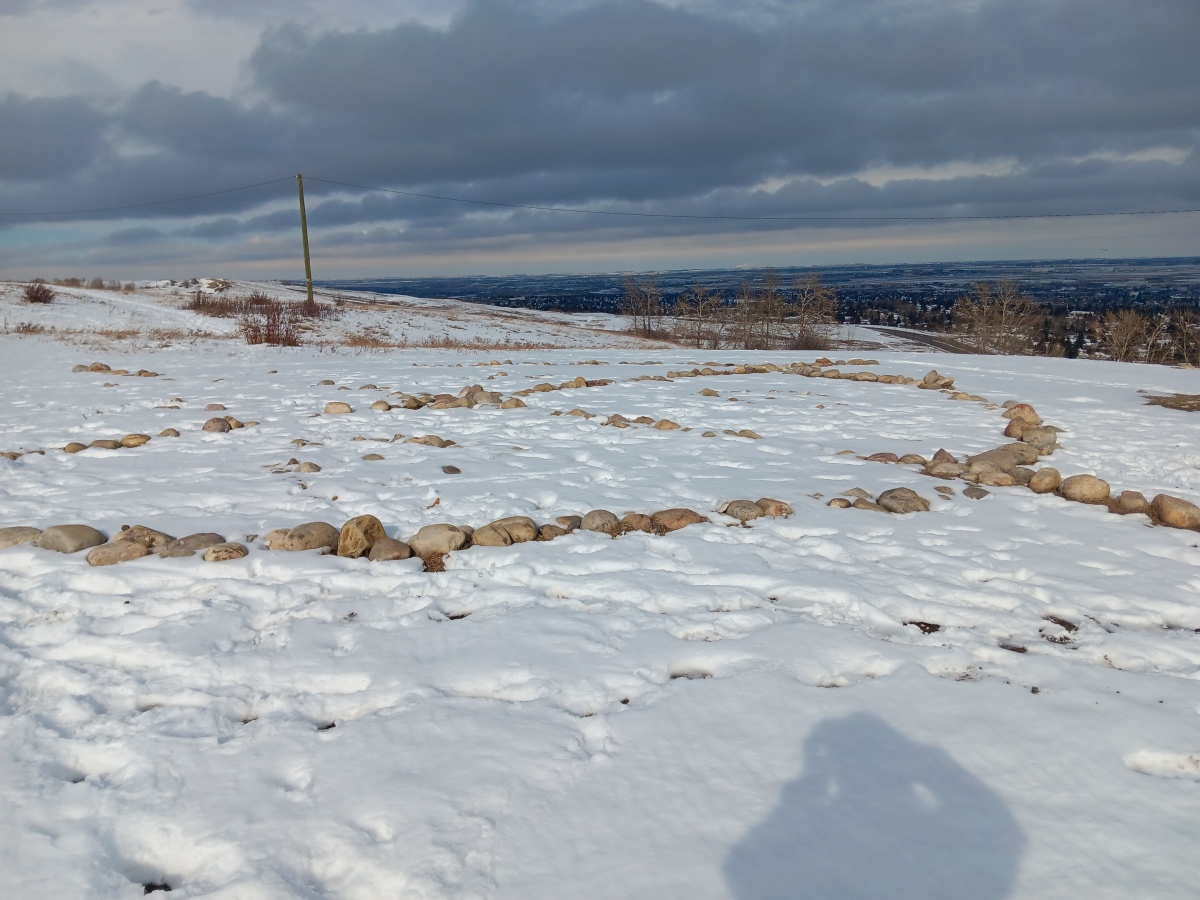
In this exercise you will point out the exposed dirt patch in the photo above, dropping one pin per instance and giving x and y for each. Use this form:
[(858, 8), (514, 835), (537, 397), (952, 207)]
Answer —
[(1185, 402)]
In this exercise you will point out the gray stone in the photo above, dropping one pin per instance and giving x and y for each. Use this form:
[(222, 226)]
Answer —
[(311, 536), (217, 425), (225, 552), (742, 510), (438, 539), (113, 553), (386, 548), (668, 520), (70, 538), (774, 508), (902, 500), (600, 520)]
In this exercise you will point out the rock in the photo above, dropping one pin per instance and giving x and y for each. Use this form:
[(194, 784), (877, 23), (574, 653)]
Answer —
[(637, 522), (747, 433), (111, 554), (839, 503), (945, 469), (550, 532), (999, 459), (308, 467), (491, 536), (189, 544), (168, 432), (665, 425), (311, 536), (99, 367), (325, 381), (69, 538), (338, 408), (381, 406), (372, 457), (882, 458), (358, 536), (1175, 512), (452, 470), (1022, 475), (570, 523), (913, 459), (1017, 427), (225, 552), (709, 392), (600, 520), (450, 403), (1045, 438), (433, 540), (135, 440), (149, 538), (934, 381), (486, 398), (996, 479), (975, 493), (386, 549), (74, 447), (868, 504), (1045, 481), (519, 528), (1084, 489), (430, 440), (79, 368), (580, 413), (1131, 502), (668, 520), (513, 403), (18, 534), (1023, 412), (1024, 454), (105, 444), (742, 510), (218, 425), (214, 407), (943, 456), (774, 508), (902, 500)]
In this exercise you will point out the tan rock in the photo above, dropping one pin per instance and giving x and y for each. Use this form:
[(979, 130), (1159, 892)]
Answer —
[(996, 479), (135, 440), (902, 500), (381, 406), (666, 425), (105, 444), (637, 522), (217, 425), (600, 520), (150, 538), (74, 447), (570, 523), (358, 535), (519, 528), (1023, 475), (748, 433), (113, 553), (884, 457), (1084, 489), (945, 469), (774, 508), (913, 459), (1024, 454), (189, 544), (1017, 427), (1023, 412), (943, 455), (308, 468), (372, 457), (999, 459), (1131, 502), (513, 403), (386, 549), (868, 505), (168, 432), (225, 552), (234, 423), (338, 408), (214, 407), (311, 536), (70, 538), (1045, 481), (550, 532), (1044, 437), (433, 540), (1175, 512), (709, 392), (668, 520), (18, 534), (839, 503), (491, 536), (974, 493)]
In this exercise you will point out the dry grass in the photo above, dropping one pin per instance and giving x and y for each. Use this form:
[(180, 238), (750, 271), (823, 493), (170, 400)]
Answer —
[(1185, 402)]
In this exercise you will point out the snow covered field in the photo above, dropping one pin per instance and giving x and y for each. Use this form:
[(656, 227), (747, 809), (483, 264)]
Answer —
[(724, 711)]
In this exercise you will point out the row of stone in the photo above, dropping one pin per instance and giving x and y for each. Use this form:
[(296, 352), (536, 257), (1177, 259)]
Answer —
[(108, 370), (364, 536)]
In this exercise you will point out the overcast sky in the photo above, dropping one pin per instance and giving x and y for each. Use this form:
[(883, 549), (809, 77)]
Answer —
[(782, 108)]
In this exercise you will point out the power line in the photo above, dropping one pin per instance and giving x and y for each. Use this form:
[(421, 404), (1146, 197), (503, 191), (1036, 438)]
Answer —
[(646, 215), (78, 212)]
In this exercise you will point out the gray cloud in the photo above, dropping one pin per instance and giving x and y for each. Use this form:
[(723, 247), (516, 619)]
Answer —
[(1044, 105)]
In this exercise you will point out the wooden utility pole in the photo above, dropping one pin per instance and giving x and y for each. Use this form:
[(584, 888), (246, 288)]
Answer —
[(304, 234)]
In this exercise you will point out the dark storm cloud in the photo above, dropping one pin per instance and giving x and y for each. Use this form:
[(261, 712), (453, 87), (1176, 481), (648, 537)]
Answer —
[(644, 107)]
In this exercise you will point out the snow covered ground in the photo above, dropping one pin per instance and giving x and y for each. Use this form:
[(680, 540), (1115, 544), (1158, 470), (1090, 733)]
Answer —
[(719, 712)]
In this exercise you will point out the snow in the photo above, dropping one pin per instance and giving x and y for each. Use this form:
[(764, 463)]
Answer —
[(721, 712)]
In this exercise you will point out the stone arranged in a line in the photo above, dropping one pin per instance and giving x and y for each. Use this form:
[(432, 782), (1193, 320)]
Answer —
[(364, 536), (108, 370)]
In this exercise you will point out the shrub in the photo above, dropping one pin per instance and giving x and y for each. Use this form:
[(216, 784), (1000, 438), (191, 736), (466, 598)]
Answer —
[(38, 292)]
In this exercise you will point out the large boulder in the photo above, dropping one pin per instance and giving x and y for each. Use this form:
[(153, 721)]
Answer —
[(386, 548), (902, 500), (491, 536), (113, 553), (1025, 454), (1084, 489), (18, 534), (1175, 512), (1045, 481), (358, 536), (668, 520), (519, 528), (999, 458), (433, 540), (600, 520), (945, 469), (217, 425), (637, 522), (1023, 412), (310, 536), (70, 538)]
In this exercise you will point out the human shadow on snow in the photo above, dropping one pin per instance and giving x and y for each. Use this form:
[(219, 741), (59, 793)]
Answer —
[(875, 815)]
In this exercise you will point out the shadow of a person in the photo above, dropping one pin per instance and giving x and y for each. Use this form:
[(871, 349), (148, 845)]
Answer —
[(875, 815)]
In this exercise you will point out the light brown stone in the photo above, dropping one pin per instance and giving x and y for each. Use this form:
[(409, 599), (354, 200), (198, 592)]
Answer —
[(774, 508), (113, 553), (105, 444), (1175, 512), (1045, 481), (491, 536), (358, 535), (225, 552), (150, 538), (668, 520), (902, 500), (1084, 489), (433, 540), (74, 447), (600, 520), (70, 538), (839, 503), (386, 549), (217, 425), (189, 544), (637, 522), (742, 510), (311, 536), (338, 408), (1131, 502), (18, 534), (168, 432)]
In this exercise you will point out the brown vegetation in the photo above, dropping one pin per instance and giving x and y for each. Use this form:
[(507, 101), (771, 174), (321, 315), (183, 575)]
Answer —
[(998, 319), (38, 292)]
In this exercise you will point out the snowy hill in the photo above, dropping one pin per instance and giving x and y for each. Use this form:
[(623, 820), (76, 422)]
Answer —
[(995, 697)]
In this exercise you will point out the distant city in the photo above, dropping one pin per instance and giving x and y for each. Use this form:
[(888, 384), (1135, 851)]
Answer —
[(916, 295)]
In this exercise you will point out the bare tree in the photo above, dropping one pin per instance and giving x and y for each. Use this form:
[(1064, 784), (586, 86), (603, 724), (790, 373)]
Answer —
[(1185, 336), (697, 317), (642, 303), (1123, 335), (998, 319), (810, 314)]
